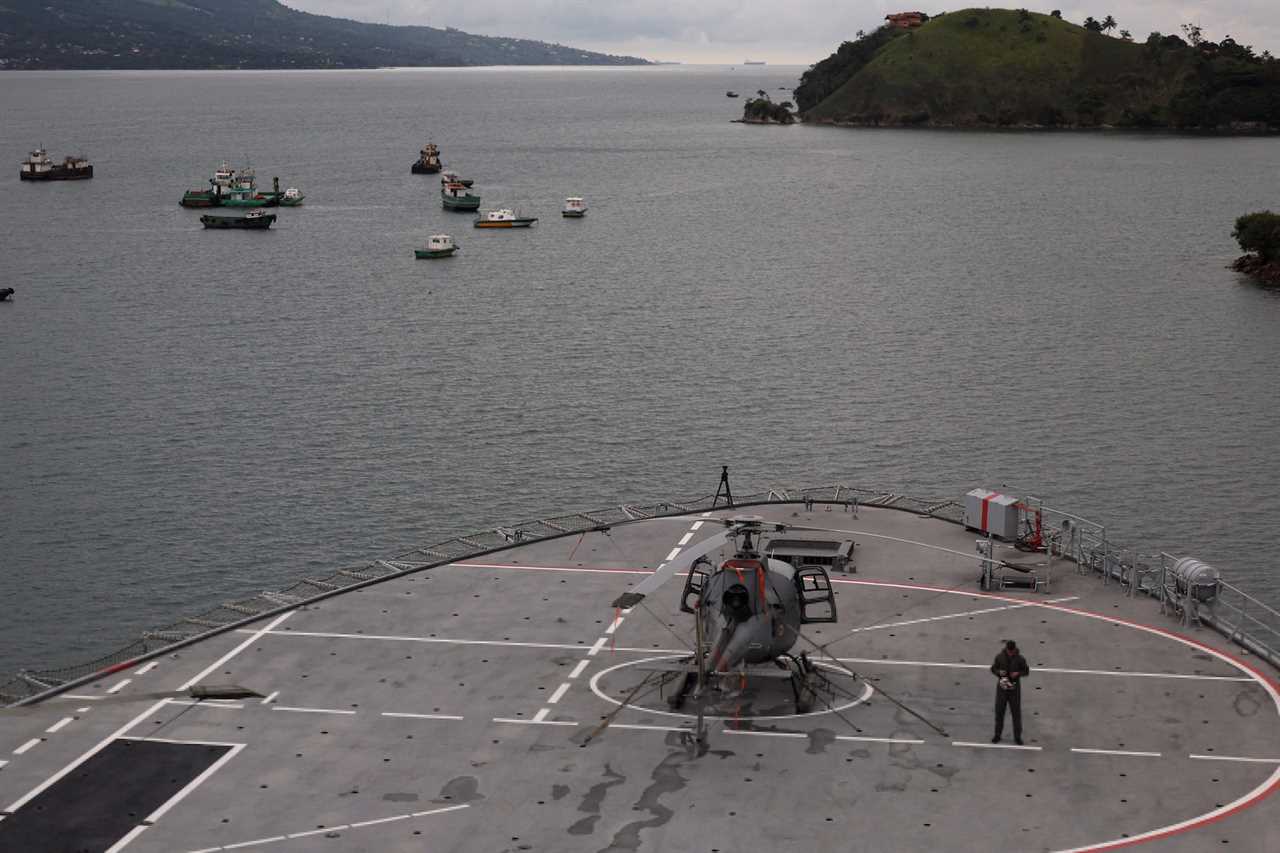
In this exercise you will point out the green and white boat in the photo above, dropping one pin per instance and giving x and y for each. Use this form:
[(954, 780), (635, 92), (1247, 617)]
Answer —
[(292, 197), (438, 246), (455, 196)]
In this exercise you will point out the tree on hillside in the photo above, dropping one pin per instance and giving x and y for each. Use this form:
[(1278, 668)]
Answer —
[(1260, 233), (1057, 13), (1194, 34), (1092, 25), (1109, 23), (762, 93), (1126, 35), (861, 34)]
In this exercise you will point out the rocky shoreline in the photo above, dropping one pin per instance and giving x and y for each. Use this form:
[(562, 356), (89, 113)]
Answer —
[(1263, 271)]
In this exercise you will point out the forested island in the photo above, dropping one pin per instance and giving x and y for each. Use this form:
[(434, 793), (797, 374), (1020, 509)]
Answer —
[(1259, 236), (1015, 68), (245, 34)]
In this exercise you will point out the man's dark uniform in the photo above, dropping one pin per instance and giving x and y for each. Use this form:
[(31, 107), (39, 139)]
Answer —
[(1008, 662)]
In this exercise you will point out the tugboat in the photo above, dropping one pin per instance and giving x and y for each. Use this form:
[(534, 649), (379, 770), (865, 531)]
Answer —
[(244, 191), (457, 197), (504, 218), (38, 167), (574, 207), (292, 197), (452, 178), (428, 161), (438, 246), (256, 219)]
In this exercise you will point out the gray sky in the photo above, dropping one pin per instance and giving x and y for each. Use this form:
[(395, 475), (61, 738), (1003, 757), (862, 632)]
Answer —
[(797, 32)]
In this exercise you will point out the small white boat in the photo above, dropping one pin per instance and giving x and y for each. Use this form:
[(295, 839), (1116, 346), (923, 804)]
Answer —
[(504, 218), (575, 207), (292, 197), (438, 246)]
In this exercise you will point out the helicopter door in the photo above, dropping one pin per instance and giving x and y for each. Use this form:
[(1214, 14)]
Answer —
[(817, 598), (695, 583)]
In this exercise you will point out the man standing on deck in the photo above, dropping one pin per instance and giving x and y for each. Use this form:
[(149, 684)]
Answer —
[(1009, 668)]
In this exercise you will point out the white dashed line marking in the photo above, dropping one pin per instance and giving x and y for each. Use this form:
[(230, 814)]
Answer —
[(613, 626), (878, 739), (696, 525), (58, 726), (973, 745), (35, 741), (595, 650), (225, 704), (685, 540), (515, 722), (422, 716), (267, 700), (675, 552), (1116, 752), (541, 715), (148, 667), (642, 728), (766, 734), (312, 710), (559, 694), (577, 670), (1236, 758), (116, 688)]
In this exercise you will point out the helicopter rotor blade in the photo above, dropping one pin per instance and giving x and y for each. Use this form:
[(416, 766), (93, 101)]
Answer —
[(785, 527), (666, 571)]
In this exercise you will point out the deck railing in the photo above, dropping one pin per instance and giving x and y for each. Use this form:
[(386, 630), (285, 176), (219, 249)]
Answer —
[(1240, 617)]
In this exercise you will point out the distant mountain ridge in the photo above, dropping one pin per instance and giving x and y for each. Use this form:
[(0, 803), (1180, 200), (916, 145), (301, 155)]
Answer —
[(245, 34), (1008, 68)]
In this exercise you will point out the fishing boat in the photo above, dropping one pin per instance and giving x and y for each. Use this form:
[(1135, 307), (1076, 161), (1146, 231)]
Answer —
[(504, 218), (256, 219), (292, 197), (457, 197), (575, 207), (38, 167), (243, 191), (201, 198), (731, 94), (454, 178), (428, 162), (438, 246)]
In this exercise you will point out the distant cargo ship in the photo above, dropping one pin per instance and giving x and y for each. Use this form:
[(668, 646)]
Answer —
[(38, 167), (754, 62)]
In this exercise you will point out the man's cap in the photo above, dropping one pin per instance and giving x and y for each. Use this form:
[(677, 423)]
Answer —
[(1010, 644)]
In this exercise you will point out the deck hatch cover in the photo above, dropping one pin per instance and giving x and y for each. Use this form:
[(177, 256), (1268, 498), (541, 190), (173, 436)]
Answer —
[(97, 803)]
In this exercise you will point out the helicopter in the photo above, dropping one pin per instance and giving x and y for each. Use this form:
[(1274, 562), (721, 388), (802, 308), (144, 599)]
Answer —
[(747, 611)]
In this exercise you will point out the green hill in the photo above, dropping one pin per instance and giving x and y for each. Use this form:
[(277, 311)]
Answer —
[(244, 34), (1003, 67)]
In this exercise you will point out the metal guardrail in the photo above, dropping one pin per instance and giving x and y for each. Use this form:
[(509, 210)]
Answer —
[(1240, 617)]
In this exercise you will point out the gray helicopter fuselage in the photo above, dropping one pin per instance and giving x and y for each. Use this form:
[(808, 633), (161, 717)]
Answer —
[(751, 611)]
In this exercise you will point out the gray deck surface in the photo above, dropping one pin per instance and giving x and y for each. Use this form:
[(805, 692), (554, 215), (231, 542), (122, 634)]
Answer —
[(446, 711)]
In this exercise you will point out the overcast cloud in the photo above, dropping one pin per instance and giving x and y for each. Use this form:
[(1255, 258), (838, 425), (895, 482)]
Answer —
[(797, 32)]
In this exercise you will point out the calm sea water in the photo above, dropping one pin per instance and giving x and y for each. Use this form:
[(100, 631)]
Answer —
[(189, 415)]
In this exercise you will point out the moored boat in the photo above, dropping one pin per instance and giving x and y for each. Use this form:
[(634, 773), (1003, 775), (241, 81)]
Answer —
[(246, 198), (455, 178), (38, 167), (731, 94), (428, 162), (575, 207), (457, 197), (292, 197), (504, 218), (438, 246), (257, 219), (201, 198)]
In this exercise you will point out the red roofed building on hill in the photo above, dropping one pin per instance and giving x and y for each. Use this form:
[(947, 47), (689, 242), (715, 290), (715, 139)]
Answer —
[(906, 20)]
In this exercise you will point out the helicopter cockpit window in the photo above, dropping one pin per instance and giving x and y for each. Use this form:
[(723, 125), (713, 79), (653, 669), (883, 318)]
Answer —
[(736, 603)]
